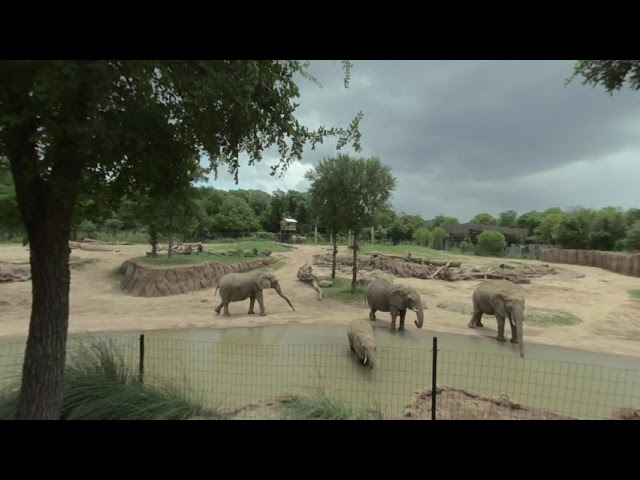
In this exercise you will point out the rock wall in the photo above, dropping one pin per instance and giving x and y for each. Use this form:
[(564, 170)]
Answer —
[(612, 261), (143, 280)]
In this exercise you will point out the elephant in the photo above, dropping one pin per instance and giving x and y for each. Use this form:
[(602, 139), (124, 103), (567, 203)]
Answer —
[(235, 287), (503, 299), (362, 341), (395, 298)]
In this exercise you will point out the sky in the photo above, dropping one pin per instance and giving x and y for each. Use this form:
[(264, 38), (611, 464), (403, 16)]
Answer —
[(467, 137)]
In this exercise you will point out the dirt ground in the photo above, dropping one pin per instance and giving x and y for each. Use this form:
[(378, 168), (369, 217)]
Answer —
[(610, 318)]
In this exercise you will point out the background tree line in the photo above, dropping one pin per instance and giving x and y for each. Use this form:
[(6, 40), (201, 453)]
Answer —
[(207, 213)]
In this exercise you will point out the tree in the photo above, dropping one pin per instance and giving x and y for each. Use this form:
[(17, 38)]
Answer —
[(441, 220), (438, 235), (491, 243), (347, 193), (508, 218), (611, 74), (632, 239), (608, 228), (325, 200), (575, 227), (484, 219), (69, 127)]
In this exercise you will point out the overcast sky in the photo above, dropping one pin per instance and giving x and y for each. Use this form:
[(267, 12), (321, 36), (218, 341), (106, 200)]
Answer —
[(465, 137)]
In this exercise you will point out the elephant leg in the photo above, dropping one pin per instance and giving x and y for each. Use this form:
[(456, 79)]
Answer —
[(252, 301), (218, 308), (394, 314), (353, 349), (476, 318), (260, 298), (372, 315), (403, 313), (514, 331), (226, 310), (500, 336)]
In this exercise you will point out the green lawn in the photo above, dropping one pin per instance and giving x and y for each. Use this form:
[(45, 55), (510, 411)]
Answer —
[(635, 294), (341, 290), (196, 259), (250, 245), (415, 250)]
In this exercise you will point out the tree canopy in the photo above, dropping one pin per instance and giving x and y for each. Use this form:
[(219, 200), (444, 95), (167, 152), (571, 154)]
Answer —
[(72, 127)]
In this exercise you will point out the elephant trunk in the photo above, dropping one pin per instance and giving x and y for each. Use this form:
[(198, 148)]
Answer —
[(519, 319), (283, 296), (420, 320)]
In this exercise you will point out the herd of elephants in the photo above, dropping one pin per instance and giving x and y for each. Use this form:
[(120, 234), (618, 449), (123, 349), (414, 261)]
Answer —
[(501, 298)]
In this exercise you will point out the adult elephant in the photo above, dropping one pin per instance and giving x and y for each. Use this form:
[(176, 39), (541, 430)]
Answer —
[(503, 299), (385, 296), (236, 287)]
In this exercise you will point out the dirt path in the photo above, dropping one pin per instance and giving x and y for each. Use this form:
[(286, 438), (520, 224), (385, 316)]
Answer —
[(611, 319)]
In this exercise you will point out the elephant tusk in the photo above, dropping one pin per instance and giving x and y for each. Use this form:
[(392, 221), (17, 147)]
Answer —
[(365, 359), (377, 362)]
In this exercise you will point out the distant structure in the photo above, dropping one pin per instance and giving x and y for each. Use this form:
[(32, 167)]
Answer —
[(288, 228), (457, 233)]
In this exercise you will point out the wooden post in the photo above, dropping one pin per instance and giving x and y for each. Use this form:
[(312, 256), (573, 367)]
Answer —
[(316, 232), (372, 236)]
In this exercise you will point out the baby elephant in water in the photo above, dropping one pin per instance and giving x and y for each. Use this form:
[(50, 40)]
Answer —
[(362, 342)]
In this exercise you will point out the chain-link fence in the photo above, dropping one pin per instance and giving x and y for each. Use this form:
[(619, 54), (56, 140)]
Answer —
[(468, 385)]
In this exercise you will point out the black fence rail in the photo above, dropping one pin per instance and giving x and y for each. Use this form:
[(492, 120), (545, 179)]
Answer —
[(401, 385)]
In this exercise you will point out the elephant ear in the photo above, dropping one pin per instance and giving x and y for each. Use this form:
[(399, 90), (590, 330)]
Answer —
[(497, 300), (263, 282), (398, 296)]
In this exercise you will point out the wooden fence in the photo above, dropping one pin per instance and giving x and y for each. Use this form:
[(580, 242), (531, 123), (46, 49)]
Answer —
[(622, 263)]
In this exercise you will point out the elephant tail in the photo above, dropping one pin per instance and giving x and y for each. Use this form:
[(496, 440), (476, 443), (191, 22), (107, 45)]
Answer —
[(214, 293)]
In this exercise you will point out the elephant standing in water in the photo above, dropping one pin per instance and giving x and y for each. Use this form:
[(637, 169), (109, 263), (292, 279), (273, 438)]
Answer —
[(504, 299), (394, 298), (235, 287)]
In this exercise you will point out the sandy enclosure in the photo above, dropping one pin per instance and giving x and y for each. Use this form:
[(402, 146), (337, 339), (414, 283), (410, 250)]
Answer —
[(610, 318)]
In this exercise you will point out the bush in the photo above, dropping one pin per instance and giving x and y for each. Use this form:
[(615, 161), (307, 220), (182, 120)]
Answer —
[(466, 246), (491, 243), (422, 236), (98, 385)]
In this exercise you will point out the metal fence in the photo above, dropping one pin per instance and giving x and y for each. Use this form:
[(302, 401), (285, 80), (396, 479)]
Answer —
[(468, 385)]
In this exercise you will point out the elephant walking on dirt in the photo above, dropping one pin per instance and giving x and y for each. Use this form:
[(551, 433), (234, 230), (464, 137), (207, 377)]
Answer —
[(236, 287), (503, 299), (394, 298), (362, 341)]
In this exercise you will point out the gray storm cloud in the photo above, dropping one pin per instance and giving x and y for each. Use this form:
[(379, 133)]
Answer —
[(470, 136)]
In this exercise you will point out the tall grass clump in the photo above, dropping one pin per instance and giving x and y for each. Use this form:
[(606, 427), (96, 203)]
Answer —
[(320, 404), (99, 385)]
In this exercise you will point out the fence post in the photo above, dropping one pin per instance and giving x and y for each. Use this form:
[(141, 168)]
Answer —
[(434, 377), (141, 360)]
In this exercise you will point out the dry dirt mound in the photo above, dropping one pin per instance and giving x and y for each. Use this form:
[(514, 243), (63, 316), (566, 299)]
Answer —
[(450, 271), (21, 272), (142, 280), (459, 404)]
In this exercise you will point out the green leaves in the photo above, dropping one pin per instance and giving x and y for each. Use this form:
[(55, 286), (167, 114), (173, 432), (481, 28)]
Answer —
[(611, 74)]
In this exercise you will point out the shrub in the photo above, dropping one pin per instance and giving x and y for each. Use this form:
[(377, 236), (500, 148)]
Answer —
[(422, 236), (491, 243), (632, 239)]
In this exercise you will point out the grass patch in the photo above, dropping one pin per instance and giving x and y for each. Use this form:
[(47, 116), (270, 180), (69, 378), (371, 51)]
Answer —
[(322, 405), (635, 294), (404, 250), (179, 260), (249, 245), (341, 290), (99, 385)]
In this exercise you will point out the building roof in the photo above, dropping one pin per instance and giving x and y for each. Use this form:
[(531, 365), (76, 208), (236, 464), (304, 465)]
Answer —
[(465, 228), (290, 220)]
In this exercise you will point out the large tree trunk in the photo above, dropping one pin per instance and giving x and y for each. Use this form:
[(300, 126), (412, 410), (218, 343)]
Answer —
[(355, 261), (43, 369), (335, 252), (46, 210)]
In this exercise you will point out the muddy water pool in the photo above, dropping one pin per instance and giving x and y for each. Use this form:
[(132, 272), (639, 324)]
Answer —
[(237, 366)]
